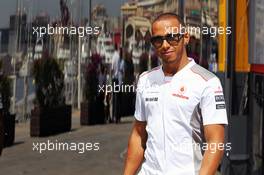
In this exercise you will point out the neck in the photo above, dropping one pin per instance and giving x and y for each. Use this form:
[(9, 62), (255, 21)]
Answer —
[(170, 69)]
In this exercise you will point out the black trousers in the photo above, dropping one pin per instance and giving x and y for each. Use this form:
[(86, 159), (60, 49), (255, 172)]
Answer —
[(116, 102)]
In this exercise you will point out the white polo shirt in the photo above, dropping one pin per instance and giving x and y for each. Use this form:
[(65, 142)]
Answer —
[(175, 109)]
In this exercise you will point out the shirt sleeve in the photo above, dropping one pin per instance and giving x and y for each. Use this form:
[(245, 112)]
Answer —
[(140, 106), (212, 104)]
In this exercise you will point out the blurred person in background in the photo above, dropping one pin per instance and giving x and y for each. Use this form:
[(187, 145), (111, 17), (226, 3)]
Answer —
[(101, 94), (116, 83), (128, 97)]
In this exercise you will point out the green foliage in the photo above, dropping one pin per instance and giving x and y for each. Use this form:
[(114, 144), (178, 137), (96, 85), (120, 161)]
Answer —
[(49, 82)]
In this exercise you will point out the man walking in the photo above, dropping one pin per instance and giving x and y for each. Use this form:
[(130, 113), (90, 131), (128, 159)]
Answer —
[(116, 82), (180, 111)]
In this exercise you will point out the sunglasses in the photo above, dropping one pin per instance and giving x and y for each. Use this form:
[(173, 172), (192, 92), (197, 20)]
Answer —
[(172, 39)]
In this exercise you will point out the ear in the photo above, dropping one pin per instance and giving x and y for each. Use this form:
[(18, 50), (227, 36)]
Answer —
[(186, 38)]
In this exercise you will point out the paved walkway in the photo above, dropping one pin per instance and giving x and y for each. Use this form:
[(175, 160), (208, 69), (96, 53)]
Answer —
[(23, 159), (20, 159)]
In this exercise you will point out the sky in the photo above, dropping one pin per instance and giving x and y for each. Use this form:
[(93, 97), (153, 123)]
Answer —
[(8, 7)]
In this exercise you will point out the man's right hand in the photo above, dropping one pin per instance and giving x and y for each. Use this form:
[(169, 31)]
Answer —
[(136, 148)]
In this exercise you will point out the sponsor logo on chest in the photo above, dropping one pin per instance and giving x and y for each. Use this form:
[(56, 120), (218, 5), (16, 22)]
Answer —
[(181, 93), (150, 99), (219, 98)]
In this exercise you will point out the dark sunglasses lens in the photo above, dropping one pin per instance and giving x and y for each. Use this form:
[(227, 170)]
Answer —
[(157, 41), (173, 39)]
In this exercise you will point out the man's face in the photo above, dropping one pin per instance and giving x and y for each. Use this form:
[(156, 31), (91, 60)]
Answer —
[(169, 52)]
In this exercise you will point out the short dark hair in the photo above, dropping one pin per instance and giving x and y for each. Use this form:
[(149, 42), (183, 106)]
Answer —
[(169, 15)]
